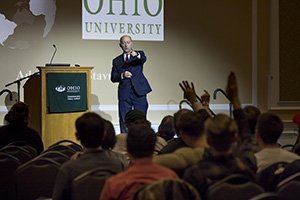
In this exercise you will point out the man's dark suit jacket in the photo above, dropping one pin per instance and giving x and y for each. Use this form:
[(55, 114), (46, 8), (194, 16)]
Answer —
[(138, 80)]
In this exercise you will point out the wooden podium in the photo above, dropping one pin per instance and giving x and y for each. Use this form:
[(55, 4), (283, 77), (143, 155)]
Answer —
[(53, 127)]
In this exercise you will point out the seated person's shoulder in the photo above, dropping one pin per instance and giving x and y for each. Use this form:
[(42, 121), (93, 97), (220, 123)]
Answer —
[(172, 146), (181, 158)]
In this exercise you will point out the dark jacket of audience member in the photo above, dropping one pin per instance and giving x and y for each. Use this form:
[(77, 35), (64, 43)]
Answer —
[(17, 128), (90, 128)]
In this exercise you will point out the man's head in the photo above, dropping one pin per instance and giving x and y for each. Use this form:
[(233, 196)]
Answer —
[(166, 128), (177, 117), (221, 132), (90, 129), (126, 43), (269, 128), (191, 126), (140, 140), (109, 139), (134, 115)]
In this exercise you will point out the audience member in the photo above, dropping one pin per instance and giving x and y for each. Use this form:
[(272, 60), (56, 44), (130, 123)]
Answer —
[(109, 141), (177, 142), (269, 129), (17, 128), (90, 130), (252, 113), (192, 133), (135, 116), (245, 146), (221, 135), (140, 144), (166, 128)]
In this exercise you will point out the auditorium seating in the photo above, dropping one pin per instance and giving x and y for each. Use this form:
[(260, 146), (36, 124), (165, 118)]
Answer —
[(89, 184), (233, 187), (290, 190), (8, 166), (269, 177), (266, 196), (36, 178), (23, 153)]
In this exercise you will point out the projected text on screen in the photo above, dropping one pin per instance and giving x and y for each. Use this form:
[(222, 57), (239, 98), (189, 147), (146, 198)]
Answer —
[(110, 19)]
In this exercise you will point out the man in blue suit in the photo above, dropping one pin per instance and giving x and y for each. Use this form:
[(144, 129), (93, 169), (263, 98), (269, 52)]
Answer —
[(133, 87)]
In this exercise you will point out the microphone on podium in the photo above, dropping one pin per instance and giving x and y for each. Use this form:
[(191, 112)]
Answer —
[(56, 64), (55, 49)]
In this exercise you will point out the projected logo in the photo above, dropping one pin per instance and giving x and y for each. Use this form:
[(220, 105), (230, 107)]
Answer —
[(110, 19), (25, 16)]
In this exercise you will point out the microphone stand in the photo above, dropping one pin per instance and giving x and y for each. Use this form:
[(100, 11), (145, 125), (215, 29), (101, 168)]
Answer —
[(18, 82)]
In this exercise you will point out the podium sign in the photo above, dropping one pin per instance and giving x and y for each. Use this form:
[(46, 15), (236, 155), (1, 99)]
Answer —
[(66, 92)]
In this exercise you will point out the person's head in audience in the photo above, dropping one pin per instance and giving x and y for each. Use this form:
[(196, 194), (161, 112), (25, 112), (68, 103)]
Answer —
[(177, 117), (18, 115), (191, 128), (268, 130), (133, 116), (252, 113), (166, 129), (140, 140), (221, 132), (109, 138), (90, 129)]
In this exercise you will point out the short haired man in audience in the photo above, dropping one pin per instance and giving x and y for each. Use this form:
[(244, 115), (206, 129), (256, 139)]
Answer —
[(140, 145), (221, 134), (177, 142), (90, 128), (192, 133), (269, 129)]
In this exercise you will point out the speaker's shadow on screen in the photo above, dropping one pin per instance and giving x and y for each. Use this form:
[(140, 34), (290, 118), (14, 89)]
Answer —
[(95, 108)]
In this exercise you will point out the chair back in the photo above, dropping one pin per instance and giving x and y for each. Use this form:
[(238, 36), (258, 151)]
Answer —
[(174, 189), (90, 184), (57, 156), (294, 177), (36, 178), (290, 190), (23, 153), (289, 170), (266, 196), (269, 177), (69, 143), (8, 166), (233, 187)]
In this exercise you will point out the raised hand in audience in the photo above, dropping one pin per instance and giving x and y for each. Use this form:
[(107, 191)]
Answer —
[(232, 91), (189, 92), (205, 98)]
